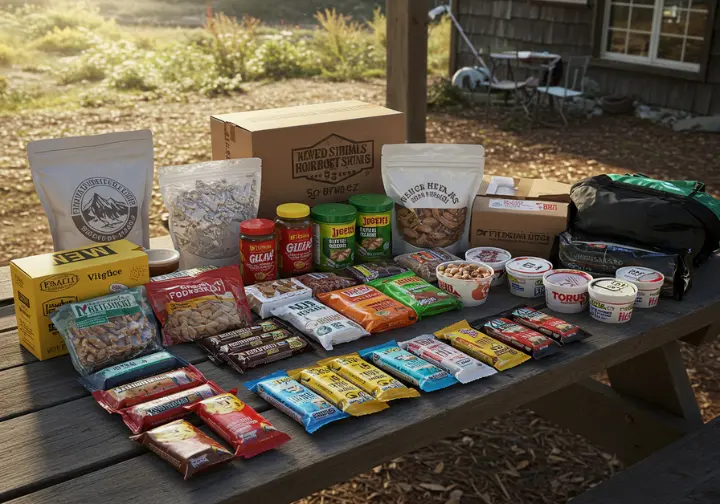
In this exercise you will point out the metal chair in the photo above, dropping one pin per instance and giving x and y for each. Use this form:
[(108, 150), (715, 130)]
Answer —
[(502, 78), (575, 70)]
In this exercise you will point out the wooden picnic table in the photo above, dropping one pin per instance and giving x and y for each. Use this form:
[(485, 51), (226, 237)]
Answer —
[(60, 446)]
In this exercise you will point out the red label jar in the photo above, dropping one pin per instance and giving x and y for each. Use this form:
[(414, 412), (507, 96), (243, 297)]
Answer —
[(257, 251), (294, 239)]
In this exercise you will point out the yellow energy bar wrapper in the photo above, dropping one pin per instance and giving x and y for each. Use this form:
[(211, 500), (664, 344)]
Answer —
[(372, 380), (336, 389), (481, 346)]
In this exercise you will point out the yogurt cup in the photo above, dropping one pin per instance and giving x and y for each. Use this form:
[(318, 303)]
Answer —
[(472, 292), (566, 290), (525, 276), (493, 257), (648, 281), (612, 300)]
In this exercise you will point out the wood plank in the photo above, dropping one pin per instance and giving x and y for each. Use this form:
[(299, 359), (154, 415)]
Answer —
[(407, 63), (625, 427), (11, 352), (7, 318), (6, 292), (686, 472), (704, 335)]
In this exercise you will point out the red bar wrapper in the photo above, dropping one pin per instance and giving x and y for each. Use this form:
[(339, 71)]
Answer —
[(147, 415), (147, 389), (559, 330), (518, 336), (237, 423)]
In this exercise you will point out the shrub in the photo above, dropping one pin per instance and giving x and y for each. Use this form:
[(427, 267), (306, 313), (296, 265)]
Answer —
[(67, 41), (233, 43), (39, 21), (439, 47), (7, 55), (442, 93), (283, 57), (378, 28)]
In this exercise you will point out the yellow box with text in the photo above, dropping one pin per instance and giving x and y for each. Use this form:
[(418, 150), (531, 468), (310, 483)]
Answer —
[(45, 282)]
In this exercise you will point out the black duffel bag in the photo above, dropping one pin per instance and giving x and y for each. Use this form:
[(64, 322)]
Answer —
[(674, 216)]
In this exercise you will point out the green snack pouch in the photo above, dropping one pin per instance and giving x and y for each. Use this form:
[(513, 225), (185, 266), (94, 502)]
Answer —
[(416, 293)]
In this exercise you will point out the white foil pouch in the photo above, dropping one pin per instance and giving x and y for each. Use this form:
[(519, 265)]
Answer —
[(433, 186), (95, 189)]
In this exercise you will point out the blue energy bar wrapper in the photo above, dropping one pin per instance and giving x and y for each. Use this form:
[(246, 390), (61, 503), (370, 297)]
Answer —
[(296, 401), (132, 370), (406, 366)]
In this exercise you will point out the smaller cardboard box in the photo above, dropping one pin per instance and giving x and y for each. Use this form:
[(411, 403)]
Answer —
[(322, 153), (43, 283), (520, 215)]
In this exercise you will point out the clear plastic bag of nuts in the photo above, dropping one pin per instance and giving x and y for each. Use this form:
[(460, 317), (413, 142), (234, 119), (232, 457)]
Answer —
[(107, 330)]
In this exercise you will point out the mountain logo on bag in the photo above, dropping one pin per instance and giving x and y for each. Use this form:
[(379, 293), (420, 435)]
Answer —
[(333, 159), (103, 209)]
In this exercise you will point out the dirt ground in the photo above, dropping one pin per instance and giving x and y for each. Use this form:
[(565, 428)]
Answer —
[(516, 458)]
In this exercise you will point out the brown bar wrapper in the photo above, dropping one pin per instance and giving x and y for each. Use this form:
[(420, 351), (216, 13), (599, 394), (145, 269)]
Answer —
[(271, 352), (252, 342), (212, 344)]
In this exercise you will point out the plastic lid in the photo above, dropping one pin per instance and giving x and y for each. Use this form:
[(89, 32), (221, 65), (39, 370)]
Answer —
[(257, 227), (612, 290), (639, 274), (533, 266), (491, 255), (568, 278), (371, 202), (292, 210), (333, 213)]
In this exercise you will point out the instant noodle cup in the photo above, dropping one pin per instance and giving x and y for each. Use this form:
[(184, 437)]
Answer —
[(468, 281), (525, 276), (493, 257), (566, 290), (648, 281), (612, 300)]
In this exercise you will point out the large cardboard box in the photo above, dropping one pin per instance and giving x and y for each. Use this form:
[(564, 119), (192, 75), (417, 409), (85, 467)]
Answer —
[(312, 153), (43, 283), (520, 215)]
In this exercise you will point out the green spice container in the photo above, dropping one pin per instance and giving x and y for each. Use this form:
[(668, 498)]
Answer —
[(333, 236), (374, 228)]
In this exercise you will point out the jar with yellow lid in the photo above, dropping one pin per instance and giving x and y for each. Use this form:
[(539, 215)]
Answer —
[(293, 232)]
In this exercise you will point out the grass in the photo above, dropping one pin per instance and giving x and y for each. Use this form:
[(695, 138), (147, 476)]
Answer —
[(69, 48)]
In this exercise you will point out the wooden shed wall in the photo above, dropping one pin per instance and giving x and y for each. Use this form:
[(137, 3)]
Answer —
[(568, 30)]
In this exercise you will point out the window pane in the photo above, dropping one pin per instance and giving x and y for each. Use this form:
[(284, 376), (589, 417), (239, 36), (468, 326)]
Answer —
[(616, 41), (693, 51), (639, 44), (641, 2), (698, 23), (674, 21), (619, 16), (641, 18), (670, 48), (677, 3)]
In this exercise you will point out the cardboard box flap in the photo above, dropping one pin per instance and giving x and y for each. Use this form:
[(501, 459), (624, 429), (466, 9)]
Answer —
[(260, 120), (523, 188)]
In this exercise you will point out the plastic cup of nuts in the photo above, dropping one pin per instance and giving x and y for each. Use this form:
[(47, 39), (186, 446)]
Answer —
[(468, 281)]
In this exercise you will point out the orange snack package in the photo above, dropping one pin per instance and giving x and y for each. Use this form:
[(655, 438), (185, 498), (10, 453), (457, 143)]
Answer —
[(369, 307)]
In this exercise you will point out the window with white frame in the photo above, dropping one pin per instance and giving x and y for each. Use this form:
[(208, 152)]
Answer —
[(666, 33)]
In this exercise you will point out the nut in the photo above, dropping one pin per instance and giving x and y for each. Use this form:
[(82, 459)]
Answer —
[(431, 227), (463, 271), (207, 318)]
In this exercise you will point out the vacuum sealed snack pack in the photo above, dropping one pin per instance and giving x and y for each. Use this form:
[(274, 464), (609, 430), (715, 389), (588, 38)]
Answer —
[(132, 370), (433, 186), (207, 202), (107, 330), (95, 189), (326, 282), (414, 292), (213, 344), (207, 304), (265, 296), (265, 354)]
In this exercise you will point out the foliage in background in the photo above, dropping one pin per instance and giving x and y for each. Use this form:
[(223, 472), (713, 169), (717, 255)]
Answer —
[(442, 94)]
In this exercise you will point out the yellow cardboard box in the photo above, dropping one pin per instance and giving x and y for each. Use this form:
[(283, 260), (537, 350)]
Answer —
[(45, 282)]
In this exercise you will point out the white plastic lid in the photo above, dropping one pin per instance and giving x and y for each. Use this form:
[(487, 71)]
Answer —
[(528, 266), (568, 278), (495, 257), (613, 290), (645, 278)]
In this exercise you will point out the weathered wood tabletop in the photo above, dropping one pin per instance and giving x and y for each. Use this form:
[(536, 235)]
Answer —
[(59, 446)]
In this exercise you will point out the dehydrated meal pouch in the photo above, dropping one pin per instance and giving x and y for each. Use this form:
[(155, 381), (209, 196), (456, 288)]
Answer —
[(107, 330), (246, 430), (207, 202), (96, 188), (326, 282), (370, 308), (265, 296), (191, 308), (134, 369), (364, 273), (323, 324), (433, 187), (416, 293), (185, 447), (424, 263), (147, 415), (149, 388)]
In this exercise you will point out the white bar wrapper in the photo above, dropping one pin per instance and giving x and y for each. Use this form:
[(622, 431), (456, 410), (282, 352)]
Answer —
[(95, 189), (463, 367), (321, 323), (263, 297)]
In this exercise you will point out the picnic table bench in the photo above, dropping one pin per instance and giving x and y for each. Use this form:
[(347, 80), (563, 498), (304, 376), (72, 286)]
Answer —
[(60, 446)]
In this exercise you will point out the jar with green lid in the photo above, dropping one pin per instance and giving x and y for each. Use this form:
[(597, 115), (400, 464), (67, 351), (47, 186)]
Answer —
[(373, 230), (333, 236)]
